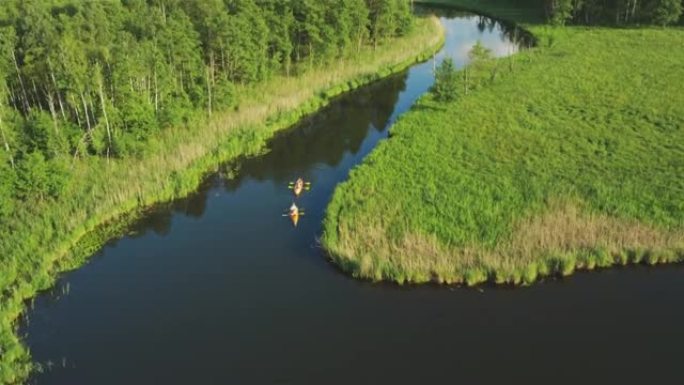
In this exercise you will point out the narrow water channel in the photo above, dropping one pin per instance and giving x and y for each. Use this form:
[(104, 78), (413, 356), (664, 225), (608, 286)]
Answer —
[(219, 288)]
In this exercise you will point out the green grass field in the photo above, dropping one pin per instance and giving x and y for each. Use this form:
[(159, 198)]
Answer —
[(42, 239), (572, 157)]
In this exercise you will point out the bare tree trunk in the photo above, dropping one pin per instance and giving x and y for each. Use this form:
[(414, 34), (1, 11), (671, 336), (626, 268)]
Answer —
[(359, 42), (92, 111), (111, 83), (21, 82), (82, 140), (211, 79), (311, 55), (53, 112), (212, 66), (78, 116), (104, 113), (85, 108), (36, 95), (209, 91), (13, 96), (61, 106), (634, 8), (54, 84), (156, 92), (465, 77), (223, 58), (148, 85), (434, 63)]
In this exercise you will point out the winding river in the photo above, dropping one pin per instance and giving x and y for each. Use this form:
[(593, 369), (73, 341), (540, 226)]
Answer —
[(219, 288)]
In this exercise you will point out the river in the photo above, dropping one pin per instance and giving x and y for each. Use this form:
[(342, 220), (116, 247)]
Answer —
[(220, 288)]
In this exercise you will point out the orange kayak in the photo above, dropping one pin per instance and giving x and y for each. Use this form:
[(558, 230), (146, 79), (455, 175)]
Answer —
[(294, 216)]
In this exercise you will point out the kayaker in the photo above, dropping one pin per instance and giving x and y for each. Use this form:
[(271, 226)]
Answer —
[(298, 186), (294, 214)]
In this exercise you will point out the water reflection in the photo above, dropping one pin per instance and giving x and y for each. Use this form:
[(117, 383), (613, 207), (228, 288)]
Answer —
[(507, 31), (324, 138)]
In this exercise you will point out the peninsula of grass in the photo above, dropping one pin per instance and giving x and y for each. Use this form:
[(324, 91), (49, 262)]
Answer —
[(566, 156), (41, 239)]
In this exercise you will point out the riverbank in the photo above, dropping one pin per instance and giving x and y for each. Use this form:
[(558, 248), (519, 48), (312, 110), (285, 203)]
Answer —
[(563, 157), (38, 242)]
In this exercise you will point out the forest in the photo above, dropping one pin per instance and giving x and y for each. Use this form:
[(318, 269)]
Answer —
[(659, 12), (578, 12), (82, 79)]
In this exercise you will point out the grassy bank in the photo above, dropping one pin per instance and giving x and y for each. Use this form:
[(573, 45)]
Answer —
[(39, 240), (571, 157)]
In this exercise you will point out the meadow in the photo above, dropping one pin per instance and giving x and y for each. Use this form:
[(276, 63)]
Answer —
[(43, 238), (566, 156)]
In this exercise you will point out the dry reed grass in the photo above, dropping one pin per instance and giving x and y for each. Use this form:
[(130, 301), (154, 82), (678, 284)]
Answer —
[(561, 239)]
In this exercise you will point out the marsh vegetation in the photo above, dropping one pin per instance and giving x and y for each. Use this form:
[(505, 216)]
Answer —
[(569, 155)]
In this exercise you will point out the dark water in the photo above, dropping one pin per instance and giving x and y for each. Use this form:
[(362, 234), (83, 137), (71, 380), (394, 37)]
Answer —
[(219, 288)]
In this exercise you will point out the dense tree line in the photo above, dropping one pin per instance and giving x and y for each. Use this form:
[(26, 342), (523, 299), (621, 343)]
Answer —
[(660, 12), (85, 78)]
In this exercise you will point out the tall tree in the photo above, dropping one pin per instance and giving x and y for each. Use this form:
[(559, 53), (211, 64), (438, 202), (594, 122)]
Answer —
[(560, 11), (667, 12)]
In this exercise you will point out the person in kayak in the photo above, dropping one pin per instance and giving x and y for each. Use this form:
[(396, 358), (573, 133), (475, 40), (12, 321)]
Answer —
[(294, 214), (298, 186)]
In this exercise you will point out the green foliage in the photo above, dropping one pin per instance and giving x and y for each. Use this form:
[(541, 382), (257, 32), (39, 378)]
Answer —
[(388, 18), (42, 134), (33, 177), (660, 12), (7, 181), (116, 74), (37, 178), (561, 11), (667, 12), (446, 81), (479, 53)]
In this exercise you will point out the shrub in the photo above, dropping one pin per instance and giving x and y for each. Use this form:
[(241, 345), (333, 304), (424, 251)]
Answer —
[(446, 81)]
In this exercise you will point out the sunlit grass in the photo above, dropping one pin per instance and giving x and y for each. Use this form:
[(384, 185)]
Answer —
[(573, 158)]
